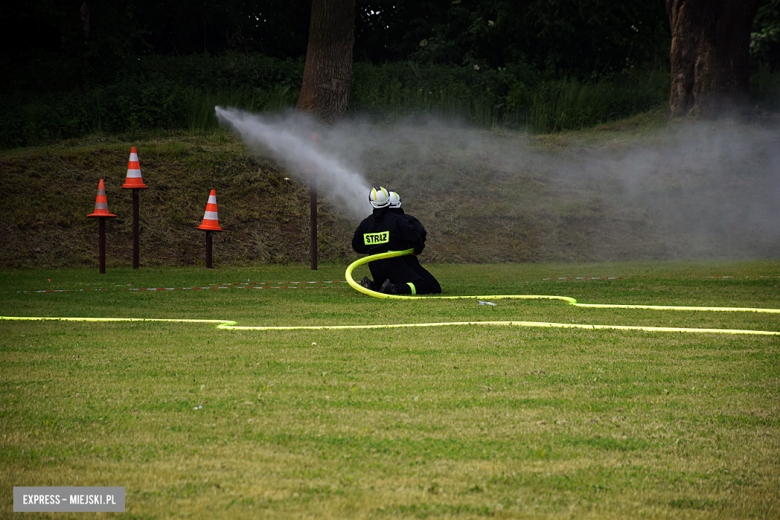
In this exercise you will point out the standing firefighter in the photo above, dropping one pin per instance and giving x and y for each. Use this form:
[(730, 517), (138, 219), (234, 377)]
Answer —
[(384, 231)]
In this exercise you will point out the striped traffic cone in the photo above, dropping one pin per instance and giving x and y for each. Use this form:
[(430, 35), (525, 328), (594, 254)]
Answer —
[(134, 178), (101, 204), (211, 218), (101, 211), (136, 182)]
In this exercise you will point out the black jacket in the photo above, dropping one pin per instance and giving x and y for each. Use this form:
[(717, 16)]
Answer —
[(413, 221), (384, 231)]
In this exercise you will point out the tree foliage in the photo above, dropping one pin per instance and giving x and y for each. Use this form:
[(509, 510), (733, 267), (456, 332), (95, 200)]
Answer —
[(73, 66), (581, 37), (765, 38), (53, 49)]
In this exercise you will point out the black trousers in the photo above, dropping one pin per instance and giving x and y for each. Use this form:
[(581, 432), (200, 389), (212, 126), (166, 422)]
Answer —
[(431, 283), (401, 272)]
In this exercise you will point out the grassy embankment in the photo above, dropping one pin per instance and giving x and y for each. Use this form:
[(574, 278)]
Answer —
[(631, 190)]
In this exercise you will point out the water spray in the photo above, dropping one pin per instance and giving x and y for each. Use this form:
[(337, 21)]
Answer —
[(290, 141)]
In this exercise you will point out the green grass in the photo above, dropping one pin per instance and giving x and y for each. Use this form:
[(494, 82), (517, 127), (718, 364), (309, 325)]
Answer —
[(465, 422)]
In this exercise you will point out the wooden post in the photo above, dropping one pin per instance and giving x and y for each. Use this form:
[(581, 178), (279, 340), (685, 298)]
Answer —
[(135, 182), (101, 212), (136, 231), (208, 249), (312, 171), (102, 245), (210, 224), (313, 218)]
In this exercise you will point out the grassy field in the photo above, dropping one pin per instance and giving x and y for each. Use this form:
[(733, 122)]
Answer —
[(461, 421)]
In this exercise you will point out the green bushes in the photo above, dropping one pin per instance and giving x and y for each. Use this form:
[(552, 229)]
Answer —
[(155, 92), (570, 104), (181, 92), (509, 97), (765, 88)]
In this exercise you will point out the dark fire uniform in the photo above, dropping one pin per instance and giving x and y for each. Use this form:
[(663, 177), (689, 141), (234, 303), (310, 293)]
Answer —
[(430, 281), (384, 231)]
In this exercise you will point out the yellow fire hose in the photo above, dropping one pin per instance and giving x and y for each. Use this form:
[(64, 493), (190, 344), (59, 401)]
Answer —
[(232, 325), (570, 301)]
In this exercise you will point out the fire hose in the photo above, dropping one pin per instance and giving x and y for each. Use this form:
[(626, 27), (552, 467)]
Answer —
[(232, 325), (567, 299)]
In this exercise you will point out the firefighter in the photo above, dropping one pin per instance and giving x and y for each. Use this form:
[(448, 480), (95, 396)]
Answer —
[(384, 231), (411, 260)]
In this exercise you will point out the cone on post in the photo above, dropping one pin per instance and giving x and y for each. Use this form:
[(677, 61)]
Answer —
[(101, 203), (135, 181), (211, 217), (101, 212), (134, 178)]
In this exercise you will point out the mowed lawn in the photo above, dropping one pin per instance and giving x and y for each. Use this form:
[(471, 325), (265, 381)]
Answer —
[(432, 422)]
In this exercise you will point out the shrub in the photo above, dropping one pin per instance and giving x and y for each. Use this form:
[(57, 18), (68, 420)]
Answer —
[(181, 92)]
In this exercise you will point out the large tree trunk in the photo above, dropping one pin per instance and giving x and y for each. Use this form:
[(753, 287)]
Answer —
[(710, 55), (327, 74)]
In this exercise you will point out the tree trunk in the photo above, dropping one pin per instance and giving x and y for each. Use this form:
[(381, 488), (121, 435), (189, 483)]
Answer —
[(709, 55), (85, 18), (327, 75)]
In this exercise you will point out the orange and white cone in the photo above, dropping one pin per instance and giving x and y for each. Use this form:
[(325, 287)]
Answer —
[(134, 178), (211, 218), (101, 203)]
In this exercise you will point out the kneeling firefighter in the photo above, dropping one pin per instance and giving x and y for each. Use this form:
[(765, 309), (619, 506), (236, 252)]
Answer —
[(384, 231), (411, 260)]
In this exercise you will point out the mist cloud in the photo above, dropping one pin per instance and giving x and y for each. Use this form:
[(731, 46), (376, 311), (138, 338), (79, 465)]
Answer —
[(291, 140), (704, 189)]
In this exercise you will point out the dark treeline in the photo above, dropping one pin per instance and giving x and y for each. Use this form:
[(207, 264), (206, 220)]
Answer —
[(583, 37), (69, 65)]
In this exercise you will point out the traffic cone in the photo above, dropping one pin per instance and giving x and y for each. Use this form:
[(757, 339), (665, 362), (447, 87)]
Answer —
[(134, 178), (210, 218), (101, 204)]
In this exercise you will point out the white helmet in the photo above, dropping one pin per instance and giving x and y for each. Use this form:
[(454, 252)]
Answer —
[(395, 200), (379, 197)]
